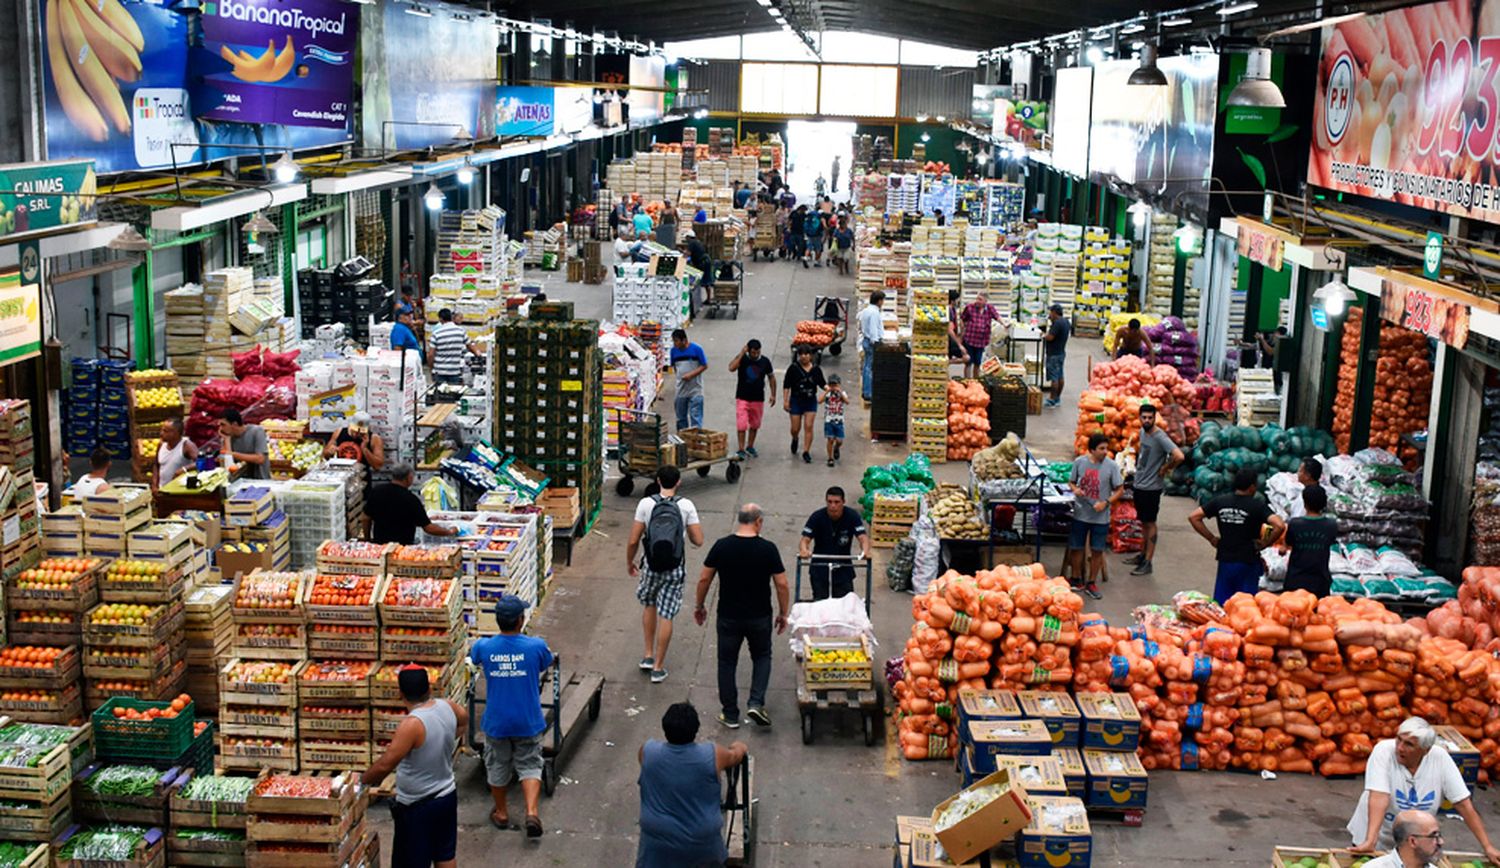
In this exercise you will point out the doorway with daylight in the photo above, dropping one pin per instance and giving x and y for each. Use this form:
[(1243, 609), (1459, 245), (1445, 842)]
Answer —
[(811, 149)]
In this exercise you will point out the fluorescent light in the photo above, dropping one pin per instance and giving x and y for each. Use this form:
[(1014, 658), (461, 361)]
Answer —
[(433, 198), (1094, 55), (1132, 27), (1176, 21), (1237, 8), (285, 169)]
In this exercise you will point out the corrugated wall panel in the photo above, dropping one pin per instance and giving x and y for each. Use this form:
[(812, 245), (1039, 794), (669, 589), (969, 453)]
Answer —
[(932, 91), (722, 78)]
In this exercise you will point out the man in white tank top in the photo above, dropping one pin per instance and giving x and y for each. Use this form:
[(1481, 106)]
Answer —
[(174, 454), (425, 810)]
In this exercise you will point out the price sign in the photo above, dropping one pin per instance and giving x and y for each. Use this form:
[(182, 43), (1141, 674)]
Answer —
[(1428, 308), (1260, 246)]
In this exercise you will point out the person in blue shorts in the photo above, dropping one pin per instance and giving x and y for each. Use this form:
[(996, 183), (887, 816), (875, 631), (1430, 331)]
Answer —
[(1097, 485), (834, 399), (1242, 518)]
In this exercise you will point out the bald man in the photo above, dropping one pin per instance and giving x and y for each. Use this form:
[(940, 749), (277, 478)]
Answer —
[(1419, 844), (749, 566)]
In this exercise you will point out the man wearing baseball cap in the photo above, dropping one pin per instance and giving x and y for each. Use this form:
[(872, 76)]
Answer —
[(513, 724), (425, 811)]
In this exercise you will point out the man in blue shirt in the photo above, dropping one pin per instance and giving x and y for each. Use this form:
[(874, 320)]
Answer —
[(689, 361), (513, 724), (402, 336)]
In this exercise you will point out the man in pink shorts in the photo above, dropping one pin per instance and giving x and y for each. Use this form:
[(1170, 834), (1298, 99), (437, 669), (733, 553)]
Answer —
[(753, 371)]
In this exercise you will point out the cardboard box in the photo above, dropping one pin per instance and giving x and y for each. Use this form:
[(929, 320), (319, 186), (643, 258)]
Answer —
[(233, 563), (1112, 722), (994, 822), (1057, 834), (1040, 775), (1116, 779), (1070, 760), (926, 851), (1027, 737), (1056, 710), (1463, 751)]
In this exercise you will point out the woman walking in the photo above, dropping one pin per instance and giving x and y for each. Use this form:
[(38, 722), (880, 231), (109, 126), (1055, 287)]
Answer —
[(801, 384)]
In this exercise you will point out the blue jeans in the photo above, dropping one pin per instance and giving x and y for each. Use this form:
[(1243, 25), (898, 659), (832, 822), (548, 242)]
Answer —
[(756, 632), (1233, 578), (867, 371), (689, 411)]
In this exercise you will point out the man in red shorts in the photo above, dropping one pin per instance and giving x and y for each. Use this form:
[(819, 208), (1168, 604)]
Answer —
[(753, 371)]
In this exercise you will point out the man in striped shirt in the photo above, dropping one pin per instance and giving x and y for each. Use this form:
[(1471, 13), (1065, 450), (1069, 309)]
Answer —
[(446, 351)]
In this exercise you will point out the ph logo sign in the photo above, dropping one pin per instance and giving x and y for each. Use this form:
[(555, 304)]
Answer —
[(1338, 101)]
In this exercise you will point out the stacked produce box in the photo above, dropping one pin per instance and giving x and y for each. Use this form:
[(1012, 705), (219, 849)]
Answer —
[(208, 632), (37, 764), (559, 428), (1161, 266), (183, 311), (207, 818), (334, 686), (317, 822), (502, 559), (258, 686)]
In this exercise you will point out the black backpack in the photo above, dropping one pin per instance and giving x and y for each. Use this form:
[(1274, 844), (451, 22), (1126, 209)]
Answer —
[(665, 533)]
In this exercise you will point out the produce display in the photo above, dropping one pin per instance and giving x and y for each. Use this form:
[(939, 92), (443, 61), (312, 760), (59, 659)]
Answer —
[(342, 591), (843, 655), (1175, 345), (122, 614), (417, 593), (123, 780), (260, 672), (30, 696), (1402, 391), (301, 454), (133, 571), (1000, 461), (337, 671), (968, 420), (29, 656), (1222, 451), (1116, 391), (36, 734), (912, 476), (435, 555), (956, 514), (158, 398), (294, 787), (18, 756), (56, 573), (172, 709), (812, 333), (268, 591), (13, 854), (103, 844), (1377, 502)]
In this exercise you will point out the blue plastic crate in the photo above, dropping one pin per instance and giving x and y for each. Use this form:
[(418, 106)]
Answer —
[(113, 396), (85, 371), (86, 393), (80, 412)]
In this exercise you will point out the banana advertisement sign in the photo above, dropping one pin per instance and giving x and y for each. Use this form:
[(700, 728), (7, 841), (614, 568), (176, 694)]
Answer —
[(276, 62), (38, 196), (20, 319)]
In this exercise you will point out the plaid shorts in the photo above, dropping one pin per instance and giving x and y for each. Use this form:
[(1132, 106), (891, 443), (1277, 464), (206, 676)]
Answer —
[(662, 591)]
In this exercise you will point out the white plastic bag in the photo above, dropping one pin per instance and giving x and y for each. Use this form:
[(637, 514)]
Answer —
[(929, 555), (842, 617)]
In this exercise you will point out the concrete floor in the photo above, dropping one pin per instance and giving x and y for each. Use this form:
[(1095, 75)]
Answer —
[(832, 803)]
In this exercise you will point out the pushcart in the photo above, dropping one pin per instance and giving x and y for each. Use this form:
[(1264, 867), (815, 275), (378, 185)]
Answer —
[(866, 700), (739, 814), (726, 291), (572, 697), (834, 310), (641, 435)]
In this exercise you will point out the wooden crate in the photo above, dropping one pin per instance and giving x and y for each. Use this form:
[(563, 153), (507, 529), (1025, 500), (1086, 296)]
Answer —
[(335, 754), (344, 722), (263, 721), (197, 814), (150, 854), (43, 782), (161, 622), (35, 821), (836, 675), (272, 640), (293, 614), (164, 687), (62, 671), (64, 708), (448, 566), (283, 695), (321, 614), (385, 690), (326, 690), (156, 590), (328, 561), (147, 809), (109, 662), (442, 648), (80, 596), (266, 855), (240, 756), (340, 802), (333, 645), (445, 615)]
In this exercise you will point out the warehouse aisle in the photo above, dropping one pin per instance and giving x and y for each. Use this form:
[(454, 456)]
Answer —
[(831, 804)]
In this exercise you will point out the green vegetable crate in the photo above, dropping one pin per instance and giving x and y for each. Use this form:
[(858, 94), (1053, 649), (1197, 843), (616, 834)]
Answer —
[(141, 797), (34, 821), (223, 848), (148, 852), (28, 855), (34, 774), (162, 738), (228, 812), (199, 757), (1303, 857), (79, 739)]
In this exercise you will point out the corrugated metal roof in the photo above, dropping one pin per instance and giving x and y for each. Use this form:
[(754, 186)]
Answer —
[(928, 91)]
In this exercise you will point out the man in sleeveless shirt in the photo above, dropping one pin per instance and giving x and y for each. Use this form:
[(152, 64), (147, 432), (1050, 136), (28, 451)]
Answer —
[(425, 811), (681, 821)]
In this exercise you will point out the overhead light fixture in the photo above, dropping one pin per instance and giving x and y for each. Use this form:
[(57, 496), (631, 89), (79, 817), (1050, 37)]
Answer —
[(1137, 45), (765, 3), (1147, 74), (1256, 90), (921, 119), (130, 241), (926, 137), (419, 11), (1140, 212), (1132, 27), (285, 169), (1237, 8), (1335, 297), (700, 114), (433, 198), (942, 119), (1094, 55), (1176, 21), (259, 225), (1330, 21), (1189, 239), (465, 174), (463, 135)]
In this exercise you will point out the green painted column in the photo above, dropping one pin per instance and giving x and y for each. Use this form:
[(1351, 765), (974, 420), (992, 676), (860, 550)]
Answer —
[(289, 256), (143, 311)]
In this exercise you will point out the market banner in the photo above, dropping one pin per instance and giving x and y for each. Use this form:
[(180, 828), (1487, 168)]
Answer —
[(1408, 108), (1260, 243), (115, 83), (20, 319), (1431, 308), (40, 196), (272, 62), (524, 111)]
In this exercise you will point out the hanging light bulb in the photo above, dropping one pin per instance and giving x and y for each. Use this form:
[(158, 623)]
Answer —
[(465, 174), (1256, 89), (926, 137), (1147, 74), (1189, 239), (433, 198), (259, 225), (285, 169), (1335, 296), (1140, 212)]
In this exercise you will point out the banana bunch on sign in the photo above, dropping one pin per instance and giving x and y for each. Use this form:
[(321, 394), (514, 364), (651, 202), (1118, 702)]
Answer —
[(92, 45)]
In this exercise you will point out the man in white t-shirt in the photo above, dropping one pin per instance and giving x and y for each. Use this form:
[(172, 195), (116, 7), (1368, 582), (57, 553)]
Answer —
[(871, 333), (1411, 773), (662, 567), (94, 481), (1419, 844)]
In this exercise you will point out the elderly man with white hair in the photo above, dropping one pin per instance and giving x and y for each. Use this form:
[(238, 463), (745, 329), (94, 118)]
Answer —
[(1411, 773)]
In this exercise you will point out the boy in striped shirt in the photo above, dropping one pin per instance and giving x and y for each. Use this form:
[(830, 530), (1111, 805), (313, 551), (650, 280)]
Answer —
[(446, 351)]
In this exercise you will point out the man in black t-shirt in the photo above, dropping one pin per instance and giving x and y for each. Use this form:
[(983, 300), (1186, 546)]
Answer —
[(393, 513), (748, 566), (831, 531), (752, 372), (1311, 536), (1242, 517)]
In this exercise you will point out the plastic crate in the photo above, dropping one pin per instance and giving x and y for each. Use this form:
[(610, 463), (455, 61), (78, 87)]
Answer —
[(162, 738)]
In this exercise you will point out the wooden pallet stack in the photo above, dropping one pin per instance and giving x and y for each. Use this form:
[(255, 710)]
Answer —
[(151, 397), (927, 421), (892, 518), (334, 687), (207, 634)]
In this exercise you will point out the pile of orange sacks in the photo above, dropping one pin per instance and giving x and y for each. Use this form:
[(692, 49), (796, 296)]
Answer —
[(1275, 682)]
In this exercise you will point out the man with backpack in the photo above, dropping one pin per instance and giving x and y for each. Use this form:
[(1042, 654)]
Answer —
[(665, 523)]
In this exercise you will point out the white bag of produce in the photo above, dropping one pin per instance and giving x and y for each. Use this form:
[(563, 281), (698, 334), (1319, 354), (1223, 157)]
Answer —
[(929, 555), (841, 617)]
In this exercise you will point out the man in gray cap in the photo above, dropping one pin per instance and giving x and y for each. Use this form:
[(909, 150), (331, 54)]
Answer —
[(425, 811), (513, 724)]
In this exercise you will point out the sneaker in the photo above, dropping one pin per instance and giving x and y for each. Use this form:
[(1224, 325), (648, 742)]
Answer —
[(1051, 403), (1143, 569), (658, 676), (731, 722), (830, 462), (750, 451), (1135, 561), (1091, 589), (794, 446), (758, 716), (1075, 584), (741, 455), (648, 664), (807, 458), (804, 264)]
